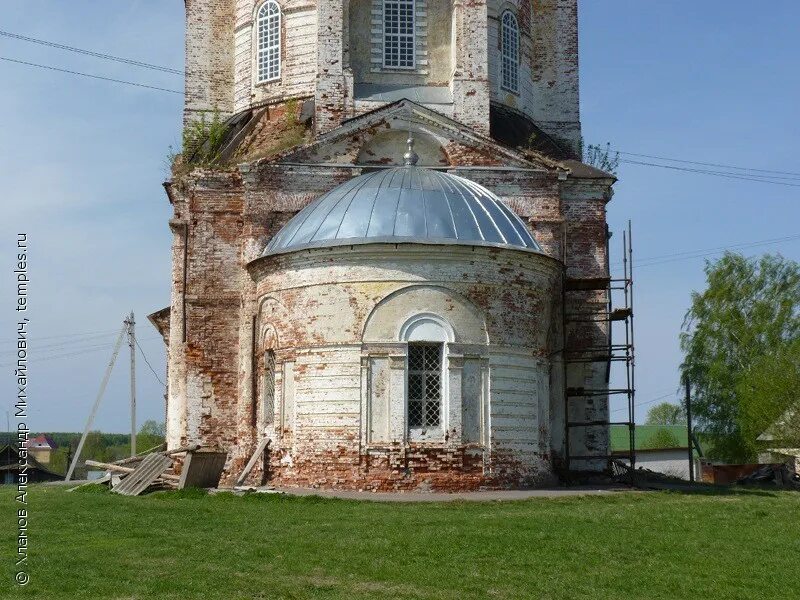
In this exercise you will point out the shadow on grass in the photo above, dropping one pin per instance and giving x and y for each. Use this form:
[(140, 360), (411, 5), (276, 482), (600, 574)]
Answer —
[(706, 489)]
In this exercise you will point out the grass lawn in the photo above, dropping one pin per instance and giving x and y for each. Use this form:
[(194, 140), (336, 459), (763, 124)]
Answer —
[(187, 545)]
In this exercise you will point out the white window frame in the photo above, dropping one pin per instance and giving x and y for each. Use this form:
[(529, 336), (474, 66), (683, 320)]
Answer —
[(428, 328), (509, 52), (398, 37), (424, 430), (269, 15)]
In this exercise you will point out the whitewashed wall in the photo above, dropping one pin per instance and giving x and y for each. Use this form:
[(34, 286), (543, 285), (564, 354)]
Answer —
[(339, 314)]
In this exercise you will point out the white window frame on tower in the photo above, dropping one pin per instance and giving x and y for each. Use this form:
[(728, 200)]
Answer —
[(509, 52), (268, 42), (399, 16)]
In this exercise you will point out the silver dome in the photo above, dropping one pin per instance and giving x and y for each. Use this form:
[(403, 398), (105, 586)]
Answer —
[(404, 204)]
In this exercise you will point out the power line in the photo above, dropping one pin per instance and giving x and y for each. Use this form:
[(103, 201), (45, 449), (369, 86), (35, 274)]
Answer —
[(65, 335), (645, 402), (726, 175), (59, 356), (678, 256), (70, 352), (132, 83), (102, 55), (710, 253), (708, 164), (62, 345), (148, 363)]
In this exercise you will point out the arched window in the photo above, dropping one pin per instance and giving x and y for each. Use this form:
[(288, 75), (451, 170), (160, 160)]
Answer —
[(425, 384), (268, 41), (427, 336), (510, 51), (398, 34), (269, 387)]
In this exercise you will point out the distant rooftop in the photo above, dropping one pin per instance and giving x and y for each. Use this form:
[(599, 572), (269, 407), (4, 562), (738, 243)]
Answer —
[(42, 441)]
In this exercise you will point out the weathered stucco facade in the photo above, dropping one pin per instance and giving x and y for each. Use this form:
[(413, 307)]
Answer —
[(313, 346)]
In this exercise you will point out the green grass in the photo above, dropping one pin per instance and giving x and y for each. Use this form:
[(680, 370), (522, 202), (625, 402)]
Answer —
[(188, 545)]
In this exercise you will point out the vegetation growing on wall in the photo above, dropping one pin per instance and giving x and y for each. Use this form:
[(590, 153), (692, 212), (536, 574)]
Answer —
[(278, 130), (601, 157), (275, 130), (201, 144)]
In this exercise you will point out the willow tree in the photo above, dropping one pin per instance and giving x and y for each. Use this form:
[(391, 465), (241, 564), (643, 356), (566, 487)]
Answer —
[(749, 312)]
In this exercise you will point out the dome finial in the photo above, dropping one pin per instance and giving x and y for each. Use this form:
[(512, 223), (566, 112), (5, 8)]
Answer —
[(410, 158)]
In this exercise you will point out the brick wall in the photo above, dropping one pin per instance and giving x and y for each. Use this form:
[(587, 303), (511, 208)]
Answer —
[(222, 222), (209, 57)]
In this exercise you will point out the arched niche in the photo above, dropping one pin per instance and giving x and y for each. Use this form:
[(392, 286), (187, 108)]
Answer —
[(268, 337), (270, 313), (427, 327), (419, 310), (388, 147)]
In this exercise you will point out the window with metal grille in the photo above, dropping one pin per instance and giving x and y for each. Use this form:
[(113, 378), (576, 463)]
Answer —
[(424, 385), (510, 51), (398, 34), (269, 387), (268, 39)]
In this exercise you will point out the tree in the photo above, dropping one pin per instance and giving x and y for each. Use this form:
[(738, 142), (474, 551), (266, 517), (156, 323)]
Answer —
[(666, 413), (750, 309), (153, 428), (769, 396)]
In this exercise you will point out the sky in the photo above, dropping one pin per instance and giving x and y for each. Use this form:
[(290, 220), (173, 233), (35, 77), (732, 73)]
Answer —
[(82, 163)]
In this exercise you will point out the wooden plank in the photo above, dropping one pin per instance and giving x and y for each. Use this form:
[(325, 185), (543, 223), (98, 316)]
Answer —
[(202, 469), (104, 479), (143, 476), (262, 445), (141, 455), (125, 470)]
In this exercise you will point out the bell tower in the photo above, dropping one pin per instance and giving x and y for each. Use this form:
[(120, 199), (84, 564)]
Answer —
[(484, 63)]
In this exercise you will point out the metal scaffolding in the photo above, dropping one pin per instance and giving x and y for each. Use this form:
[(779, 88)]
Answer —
[(621, 290)]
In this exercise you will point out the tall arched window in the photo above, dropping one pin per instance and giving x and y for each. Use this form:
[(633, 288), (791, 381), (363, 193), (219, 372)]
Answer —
[(398, 34), (425, 384), (510, 51), (269, 387), (268, 40), (427, 336)]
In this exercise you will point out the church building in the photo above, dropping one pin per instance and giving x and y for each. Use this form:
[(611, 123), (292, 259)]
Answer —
[(381, 223)]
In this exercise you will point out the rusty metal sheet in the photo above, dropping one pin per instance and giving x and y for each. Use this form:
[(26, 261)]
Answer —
[(144, 475)]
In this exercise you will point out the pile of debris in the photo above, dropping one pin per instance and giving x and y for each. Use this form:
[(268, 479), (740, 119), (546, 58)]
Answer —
[(778, 475), (647, 479), (190, 466)]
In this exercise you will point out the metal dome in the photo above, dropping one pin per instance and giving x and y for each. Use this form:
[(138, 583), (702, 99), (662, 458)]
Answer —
[(401, 205)]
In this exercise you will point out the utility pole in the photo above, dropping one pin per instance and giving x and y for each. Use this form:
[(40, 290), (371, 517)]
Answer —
[(99, 397), (689, 429), (130, 323)]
